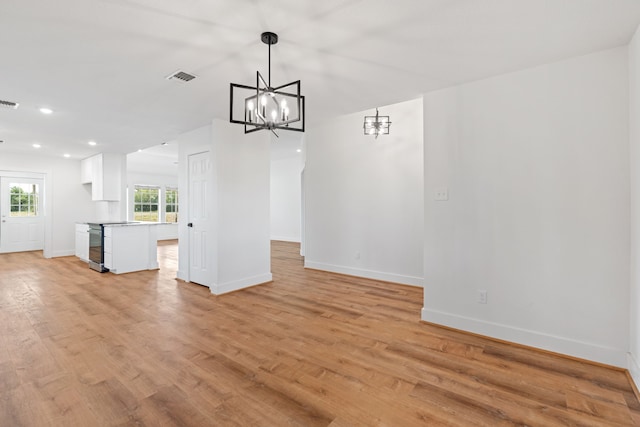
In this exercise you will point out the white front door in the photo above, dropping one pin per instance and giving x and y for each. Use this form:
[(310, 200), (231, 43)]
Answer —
[(198, 221), (21, 214)]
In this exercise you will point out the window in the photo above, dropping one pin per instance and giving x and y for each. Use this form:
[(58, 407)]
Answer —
[(24, 199), (145, 203), (171, 204)]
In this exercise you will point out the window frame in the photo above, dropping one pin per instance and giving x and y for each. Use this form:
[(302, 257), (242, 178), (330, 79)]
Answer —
[(150, 203), (168, 190), (31, 208)]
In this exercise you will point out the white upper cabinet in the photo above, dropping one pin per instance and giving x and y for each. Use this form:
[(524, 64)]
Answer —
[(103, 171), (85, 171)]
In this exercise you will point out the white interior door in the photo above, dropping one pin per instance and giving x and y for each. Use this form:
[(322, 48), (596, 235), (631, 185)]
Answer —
[(198, 222), (21, 214)]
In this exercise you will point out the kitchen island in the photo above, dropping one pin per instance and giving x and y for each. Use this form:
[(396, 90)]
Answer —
[(130, 247), (119, 247)]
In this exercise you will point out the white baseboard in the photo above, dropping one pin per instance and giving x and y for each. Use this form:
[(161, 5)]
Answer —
[(556, 344), (223, 288), (633, 368), (57, 254), (369, 274)]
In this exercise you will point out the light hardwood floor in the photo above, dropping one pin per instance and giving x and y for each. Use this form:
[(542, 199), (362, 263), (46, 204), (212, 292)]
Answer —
[(79, 348)]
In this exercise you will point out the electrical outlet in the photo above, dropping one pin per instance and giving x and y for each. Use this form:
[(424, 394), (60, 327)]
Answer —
[(441, 195), (482, 296)]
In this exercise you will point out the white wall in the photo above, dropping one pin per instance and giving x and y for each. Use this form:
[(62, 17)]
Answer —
[(164, 231), (634, 138), (286, 202), (286, 186), (66, 200), (241, 163), (363, 196), (239, 244), (536, 164)]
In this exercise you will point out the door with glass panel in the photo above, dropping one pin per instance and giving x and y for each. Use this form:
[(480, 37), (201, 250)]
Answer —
[(21, 214)]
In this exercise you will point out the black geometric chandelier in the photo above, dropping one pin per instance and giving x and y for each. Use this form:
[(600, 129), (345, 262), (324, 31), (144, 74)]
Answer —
[(266, 107), (376, 125)]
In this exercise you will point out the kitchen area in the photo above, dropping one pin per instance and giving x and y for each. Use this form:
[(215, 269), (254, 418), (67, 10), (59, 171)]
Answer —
[(114, 241)]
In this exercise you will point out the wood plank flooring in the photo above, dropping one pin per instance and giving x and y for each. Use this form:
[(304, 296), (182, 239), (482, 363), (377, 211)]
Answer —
[(78, 348)]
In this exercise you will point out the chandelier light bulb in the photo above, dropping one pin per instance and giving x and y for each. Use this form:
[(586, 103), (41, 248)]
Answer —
[(250, 110), (263, 101)]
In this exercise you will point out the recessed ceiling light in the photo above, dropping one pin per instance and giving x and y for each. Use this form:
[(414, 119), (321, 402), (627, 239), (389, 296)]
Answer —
[(67, 155), (139, 150), (298, 151), (36, 145), (165, 143), (46, 110), (92, 143)]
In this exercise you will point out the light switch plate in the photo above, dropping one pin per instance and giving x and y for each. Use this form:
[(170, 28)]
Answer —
[(482, 296), (442, 195)]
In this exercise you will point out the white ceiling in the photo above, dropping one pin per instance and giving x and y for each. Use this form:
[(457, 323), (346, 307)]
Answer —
[(101, 64), (163, 159), (156, 160)]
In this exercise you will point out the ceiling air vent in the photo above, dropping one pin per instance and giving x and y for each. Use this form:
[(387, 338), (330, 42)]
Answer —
[(181, 76), (8, 104)]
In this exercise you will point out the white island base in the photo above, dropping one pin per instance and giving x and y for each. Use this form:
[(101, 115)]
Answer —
[(130, 247)]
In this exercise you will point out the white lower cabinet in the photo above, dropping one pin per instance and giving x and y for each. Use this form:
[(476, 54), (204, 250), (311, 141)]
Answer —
[(130, 248), (82, 241), (108, 248), (108, 261)]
